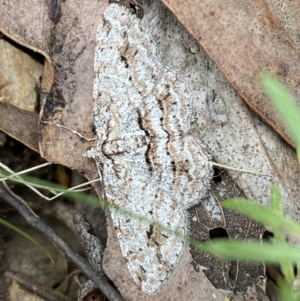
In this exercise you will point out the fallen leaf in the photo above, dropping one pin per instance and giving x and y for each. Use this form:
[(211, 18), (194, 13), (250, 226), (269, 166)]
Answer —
[(19, 77), (233, 134), (14, 121), (244, 38), (70, 101), (209, 220), (30, 25)]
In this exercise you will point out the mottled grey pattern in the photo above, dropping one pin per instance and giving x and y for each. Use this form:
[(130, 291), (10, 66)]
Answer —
[(150, 162)]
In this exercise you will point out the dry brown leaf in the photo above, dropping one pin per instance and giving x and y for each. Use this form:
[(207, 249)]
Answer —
[(19, 77), (20, 124), (29, 23), (20, 82), (32, 24), (233, 134), (244, 38), (33, 262), (70, 101), (209, 220)]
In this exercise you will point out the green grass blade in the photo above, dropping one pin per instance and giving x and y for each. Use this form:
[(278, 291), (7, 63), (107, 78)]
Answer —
[(276, 200), (285, 105), (38, 183), (94, 201), (276, 205), (289, 255), (264, 215), (252, 251), (286, 293), (31, 239)]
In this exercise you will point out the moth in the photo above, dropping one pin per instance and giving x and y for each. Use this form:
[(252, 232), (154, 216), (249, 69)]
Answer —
[(151, 164)]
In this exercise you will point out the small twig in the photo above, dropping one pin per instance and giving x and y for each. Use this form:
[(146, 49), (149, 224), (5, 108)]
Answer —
[(72, 131), (56, 195), (16, 175), (75, 188), (242, 170), (93, 252), (213, 163), (91, 243), (37, 223), (38, 288), (21, 172)]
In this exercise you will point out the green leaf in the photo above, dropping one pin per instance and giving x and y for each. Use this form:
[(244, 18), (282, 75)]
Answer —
[(16, 229), (285, 105)]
